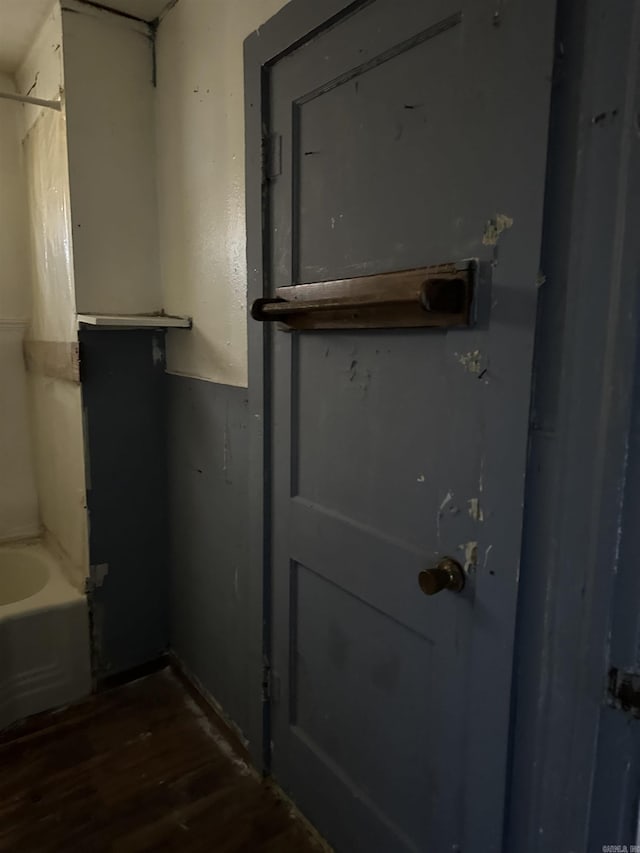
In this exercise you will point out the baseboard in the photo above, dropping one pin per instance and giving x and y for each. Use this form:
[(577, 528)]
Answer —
[(226, 727), (234, 739), (148, 668)]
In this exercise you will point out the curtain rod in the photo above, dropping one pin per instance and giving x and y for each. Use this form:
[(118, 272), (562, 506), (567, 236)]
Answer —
[(26, 99)]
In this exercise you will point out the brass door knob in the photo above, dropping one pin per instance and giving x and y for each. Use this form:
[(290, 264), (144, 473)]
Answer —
[(448, 574)]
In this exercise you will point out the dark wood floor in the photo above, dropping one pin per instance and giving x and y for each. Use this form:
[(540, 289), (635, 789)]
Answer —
[(141, 767)]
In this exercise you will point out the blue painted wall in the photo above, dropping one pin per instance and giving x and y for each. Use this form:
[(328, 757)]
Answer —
[(124, 399), (213, 631)]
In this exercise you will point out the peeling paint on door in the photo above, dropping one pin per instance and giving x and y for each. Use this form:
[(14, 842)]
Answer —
[(475, 510), (471, 361), (470, 555), (494, 228)]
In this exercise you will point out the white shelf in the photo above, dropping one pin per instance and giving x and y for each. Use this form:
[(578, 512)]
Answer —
[(134, 321)]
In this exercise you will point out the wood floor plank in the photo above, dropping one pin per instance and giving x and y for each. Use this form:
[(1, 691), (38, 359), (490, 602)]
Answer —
[(138, 768)]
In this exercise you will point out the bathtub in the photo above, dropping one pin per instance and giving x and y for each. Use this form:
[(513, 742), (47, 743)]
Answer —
[(44, 634)]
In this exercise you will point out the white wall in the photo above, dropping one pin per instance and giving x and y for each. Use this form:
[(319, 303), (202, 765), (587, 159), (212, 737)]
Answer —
[(18, 500), (14, 243), (56, 404), (108, 65), (200, 151), (40, 73)]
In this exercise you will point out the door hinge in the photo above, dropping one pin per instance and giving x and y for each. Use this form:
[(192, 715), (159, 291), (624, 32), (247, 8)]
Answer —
[(272, 156), (623, 690), (270, 685)]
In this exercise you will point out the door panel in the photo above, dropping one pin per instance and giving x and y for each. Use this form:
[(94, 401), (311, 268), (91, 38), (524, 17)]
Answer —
[(410, 134), (421, 112)]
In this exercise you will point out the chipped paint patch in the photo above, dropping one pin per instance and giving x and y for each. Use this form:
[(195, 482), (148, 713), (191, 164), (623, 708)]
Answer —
[(486, 556), (494, 228), (157, 353), (99, 573), (470, 555), (475, 510), (471, 361), (420, 478), (447, 499)]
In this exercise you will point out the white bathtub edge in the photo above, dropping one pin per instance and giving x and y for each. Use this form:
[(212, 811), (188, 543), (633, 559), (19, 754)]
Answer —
[(47, 635)]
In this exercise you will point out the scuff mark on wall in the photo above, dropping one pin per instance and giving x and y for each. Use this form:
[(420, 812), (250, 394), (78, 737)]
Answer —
[(604, 117), (203, 722), (494, 228), (364, 385)]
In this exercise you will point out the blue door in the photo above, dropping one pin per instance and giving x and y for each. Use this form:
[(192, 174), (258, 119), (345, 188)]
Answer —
[(404, 134)]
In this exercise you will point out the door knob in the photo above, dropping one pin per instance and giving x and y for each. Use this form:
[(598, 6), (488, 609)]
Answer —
[(448, 574)]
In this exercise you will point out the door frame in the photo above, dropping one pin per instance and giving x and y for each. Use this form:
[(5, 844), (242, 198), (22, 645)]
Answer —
[(587, 346), (537, 731)]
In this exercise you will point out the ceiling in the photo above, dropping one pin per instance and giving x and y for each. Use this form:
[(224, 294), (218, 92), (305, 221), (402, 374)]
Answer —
[(148, 10), (19, 22), (21, 19)]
